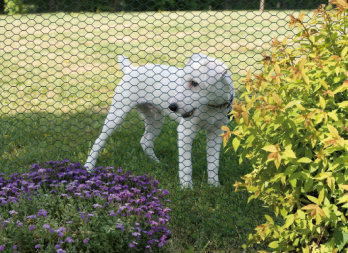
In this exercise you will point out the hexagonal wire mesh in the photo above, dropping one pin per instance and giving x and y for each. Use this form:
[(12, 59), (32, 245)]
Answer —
[(72, 71)]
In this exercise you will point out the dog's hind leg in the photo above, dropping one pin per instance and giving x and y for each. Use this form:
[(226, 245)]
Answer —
[(116, 115), (153, 125)]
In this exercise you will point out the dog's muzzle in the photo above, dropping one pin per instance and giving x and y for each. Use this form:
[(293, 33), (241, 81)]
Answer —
[(188, 114), (174, 108)]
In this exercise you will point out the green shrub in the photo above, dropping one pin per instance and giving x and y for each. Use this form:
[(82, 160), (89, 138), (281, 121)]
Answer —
[(292, 129)]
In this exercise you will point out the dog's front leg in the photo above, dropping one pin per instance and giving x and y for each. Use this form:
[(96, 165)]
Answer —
[(186, 133), (214, 142)]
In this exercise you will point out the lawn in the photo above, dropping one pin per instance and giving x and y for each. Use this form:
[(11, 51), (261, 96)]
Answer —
[(57, 76)]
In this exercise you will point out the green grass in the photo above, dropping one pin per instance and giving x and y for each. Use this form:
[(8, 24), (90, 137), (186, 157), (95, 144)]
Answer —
[(57, 76)]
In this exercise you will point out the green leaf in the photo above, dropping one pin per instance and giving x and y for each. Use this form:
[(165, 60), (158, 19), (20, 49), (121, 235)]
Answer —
[(304, 160), (341, 239)]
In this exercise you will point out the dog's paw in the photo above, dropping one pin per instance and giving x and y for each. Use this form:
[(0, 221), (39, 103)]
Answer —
[(214, 183), (89, 167), (187, 186)]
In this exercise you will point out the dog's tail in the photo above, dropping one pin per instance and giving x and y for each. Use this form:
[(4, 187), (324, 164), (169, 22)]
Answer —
[(125, 64)]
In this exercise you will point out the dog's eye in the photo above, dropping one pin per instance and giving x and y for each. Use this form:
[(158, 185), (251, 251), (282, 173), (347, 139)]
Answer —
[(194, 83)]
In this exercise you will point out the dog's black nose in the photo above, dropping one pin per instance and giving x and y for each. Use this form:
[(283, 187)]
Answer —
[(173, 107)]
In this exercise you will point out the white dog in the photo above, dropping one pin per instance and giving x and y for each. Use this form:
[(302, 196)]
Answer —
[(199, 96)]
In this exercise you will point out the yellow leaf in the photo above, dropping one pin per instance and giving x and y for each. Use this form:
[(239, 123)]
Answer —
[(235, 143), (343, 199), (344, 52), (277, 99), (292, 103), (321, 196), (322, 102), (245, 116), (306, 250), (301, 16), (344, 187), (273, 245), (343, 104), (333, 115), (285, 41), (277, 69), (333, 131), (248, 77), (278, 160), (305, 77), (322, 175), (341, 88), (304, 160), (320, 211), (309, 207), (313, 199), (289, 220), (288, 153), (269, 219), (225, 128), (302, 69), (270, 148)]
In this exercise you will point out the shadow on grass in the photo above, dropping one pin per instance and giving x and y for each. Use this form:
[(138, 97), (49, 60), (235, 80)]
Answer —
[(202, 219)]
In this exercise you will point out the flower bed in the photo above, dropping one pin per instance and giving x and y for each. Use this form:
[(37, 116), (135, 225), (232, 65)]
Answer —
[(59, 206)]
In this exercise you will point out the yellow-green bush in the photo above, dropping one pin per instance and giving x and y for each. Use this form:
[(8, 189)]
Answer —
[(291, 126)]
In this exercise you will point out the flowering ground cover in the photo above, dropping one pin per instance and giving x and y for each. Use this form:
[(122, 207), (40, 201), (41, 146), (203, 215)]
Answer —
[(59, 207)]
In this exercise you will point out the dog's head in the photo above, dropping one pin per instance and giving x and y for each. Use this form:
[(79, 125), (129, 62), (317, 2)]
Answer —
[(205, 81)]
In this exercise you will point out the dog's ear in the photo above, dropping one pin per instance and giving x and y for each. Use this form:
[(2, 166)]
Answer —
[(207, 69), (215, 70), (196, 58)]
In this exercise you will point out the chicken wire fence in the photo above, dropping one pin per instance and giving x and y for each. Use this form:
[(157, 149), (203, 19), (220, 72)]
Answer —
[(71, 71)]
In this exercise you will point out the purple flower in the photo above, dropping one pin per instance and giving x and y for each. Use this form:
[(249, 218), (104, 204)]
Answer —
[(13, 212), (60, 231), (135, 234), (37, 246), (82, 215), (133, 244), (89, 216), (120, 226), (112, 213), (2, 247), (97, 206), (31, 227), (69, 239), (60, 251), (46, 226), (19, 223), (42, 212), (57, 246), (31, 216), (85, 241)]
